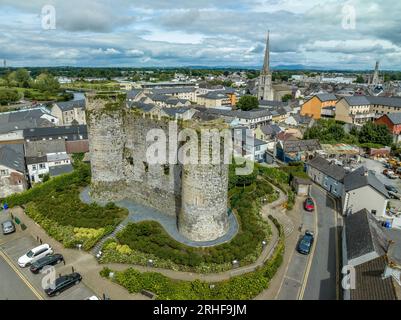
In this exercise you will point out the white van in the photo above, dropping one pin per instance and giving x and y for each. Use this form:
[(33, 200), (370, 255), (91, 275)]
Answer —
[(34, 255)]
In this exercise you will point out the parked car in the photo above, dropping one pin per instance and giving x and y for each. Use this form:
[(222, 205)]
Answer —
[(63, 283), (309, 205), (392, 175), (391, 188), (8, 227), (34, 255), (49, 260), (306, 242)]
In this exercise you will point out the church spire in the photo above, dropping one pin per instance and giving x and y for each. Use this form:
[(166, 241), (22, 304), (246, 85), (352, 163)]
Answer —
[(266, 63)]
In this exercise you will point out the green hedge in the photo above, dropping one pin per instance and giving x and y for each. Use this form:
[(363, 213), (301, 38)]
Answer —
[(149, 236), (56, 206), (242, 287)]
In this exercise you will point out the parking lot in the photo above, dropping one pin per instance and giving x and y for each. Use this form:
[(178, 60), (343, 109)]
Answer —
[(14, 246)]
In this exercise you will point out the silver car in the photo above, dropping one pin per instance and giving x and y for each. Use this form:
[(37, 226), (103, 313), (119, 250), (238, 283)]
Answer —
[(8, 227)]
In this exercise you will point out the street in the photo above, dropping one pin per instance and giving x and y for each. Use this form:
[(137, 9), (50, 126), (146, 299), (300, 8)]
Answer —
[(13, 287), (321, 282)]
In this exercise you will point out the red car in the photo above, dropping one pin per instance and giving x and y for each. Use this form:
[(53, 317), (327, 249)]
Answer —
[(309, 205)]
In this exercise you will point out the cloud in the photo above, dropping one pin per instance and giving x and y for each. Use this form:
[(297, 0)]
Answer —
[(209, 32)]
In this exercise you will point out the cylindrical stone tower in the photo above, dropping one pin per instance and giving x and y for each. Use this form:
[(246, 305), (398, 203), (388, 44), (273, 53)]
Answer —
[(203, 215), (106, 143)]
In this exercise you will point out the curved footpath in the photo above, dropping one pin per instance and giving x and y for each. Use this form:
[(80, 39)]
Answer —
[(87, 265)]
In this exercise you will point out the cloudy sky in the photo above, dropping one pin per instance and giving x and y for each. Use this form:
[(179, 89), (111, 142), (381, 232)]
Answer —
[(335, 34)]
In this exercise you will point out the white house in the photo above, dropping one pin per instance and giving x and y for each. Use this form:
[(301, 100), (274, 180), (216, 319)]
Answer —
[(12, 169), (362, 189)]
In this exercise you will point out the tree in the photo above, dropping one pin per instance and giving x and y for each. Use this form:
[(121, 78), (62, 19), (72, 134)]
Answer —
[(286, 97), (46, 83), (248, 102), (375, 133), (8, 95), (359, 79)]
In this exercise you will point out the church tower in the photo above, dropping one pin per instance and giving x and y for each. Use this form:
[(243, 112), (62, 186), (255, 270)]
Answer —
[(376, 80), (265, 89)]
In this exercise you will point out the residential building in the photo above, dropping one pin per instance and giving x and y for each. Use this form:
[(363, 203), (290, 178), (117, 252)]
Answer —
[(298, 120), (12, 169), (327, 174), (363, 190), (186, 93), (364, 247), (217, 99), (43, 155), (355, 110), (13, 123), (165, 101), (313, 106), (393, 123), (296, 150), (248, 146), (69, 112)]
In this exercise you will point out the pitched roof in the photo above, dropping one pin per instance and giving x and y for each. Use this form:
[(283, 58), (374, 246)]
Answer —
[(23, 119), (357, 100), (70, 105), (385, 101), (12, 156), (271, 103), (301, 145), (363, 235), (132, 94), (362, 177), (41, 148), (329, 169), (394, 117), (270, 129), (326, 97), (71, 132), (369, 283), (173, 90), (59, 170)]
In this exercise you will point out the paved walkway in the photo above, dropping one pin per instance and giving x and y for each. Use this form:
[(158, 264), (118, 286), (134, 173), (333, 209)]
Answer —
[(139, 213)]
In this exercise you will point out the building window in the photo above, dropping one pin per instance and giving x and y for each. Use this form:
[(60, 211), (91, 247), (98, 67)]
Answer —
[(42, 166), (34, 167), (3, 172)]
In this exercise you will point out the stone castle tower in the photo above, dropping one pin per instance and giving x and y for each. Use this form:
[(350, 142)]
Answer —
[(265, 87), (196, 195)]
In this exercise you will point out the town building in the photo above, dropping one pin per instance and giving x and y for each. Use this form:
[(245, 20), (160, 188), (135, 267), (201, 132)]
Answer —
[(393, 122), (43, 156), (296, 150), (69, 112), (313, 106), (363, 190), (217, 99), (12, 169), (327, 174), (364, 247), (355, 110)]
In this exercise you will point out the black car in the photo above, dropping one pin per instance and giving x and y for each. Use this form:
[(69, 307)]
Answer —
[(391, 188), (305, 244), (63, 283), (49, 260)]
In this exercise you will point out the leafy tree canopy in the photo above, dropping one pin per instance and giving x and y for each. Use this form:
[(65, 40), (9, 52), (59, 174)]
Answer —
[(248, 102)]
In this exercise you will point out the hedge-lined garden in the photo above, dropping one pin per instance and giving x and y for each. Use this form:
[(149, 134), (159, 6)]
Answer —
[(55, 205), (139, 242), (244, 287)]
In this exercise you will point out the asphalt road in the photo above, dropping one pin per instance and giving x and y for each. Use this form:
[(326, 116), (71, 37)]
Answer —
[(12, 287), (321, 283)]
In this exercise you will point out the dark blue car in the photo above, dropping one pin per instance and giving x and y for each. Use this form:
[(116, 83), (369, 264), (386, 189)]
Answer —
[(305, 244)]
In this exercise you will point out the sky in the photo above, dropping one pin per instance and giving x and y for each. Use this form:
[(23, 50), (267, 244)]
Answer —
[(335, 34)]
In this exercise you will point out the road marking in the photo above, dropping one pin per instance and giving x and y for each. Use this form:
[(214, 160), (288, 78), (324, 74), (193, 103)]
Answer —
[(309, 265), (337, 252), (19, 274)]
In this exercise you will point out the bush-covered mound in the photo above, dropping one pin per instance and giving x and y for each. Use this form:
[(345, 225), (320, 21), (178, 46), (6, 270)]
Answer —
[(56, 206), (139, 242), (242, 287)]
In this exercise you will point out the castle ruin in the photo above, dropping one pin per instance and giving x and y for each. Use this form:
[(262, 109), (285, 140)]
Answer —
[(195, 194)]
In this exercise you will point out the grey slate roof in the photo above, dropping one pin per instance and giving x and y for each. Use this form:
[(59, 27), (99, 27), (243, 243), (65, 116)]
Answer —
[(23, 119), (329, 169), (271, 129), (173, 111), (251, 114), (326, 97), (271, 103), (145, 107), (12, 156), (302, 119), (363, 235), (395, 117), (357, 100), (59, 170), (215, 95), (70, 105), (133, 93), (41, 148), (173, 90), (361, 177), (301, 145), (71, 132), (385, 101)]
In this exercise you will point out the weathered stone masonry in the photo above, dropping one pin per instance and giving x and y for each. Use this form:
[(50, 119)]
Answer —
[(195, 194)]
